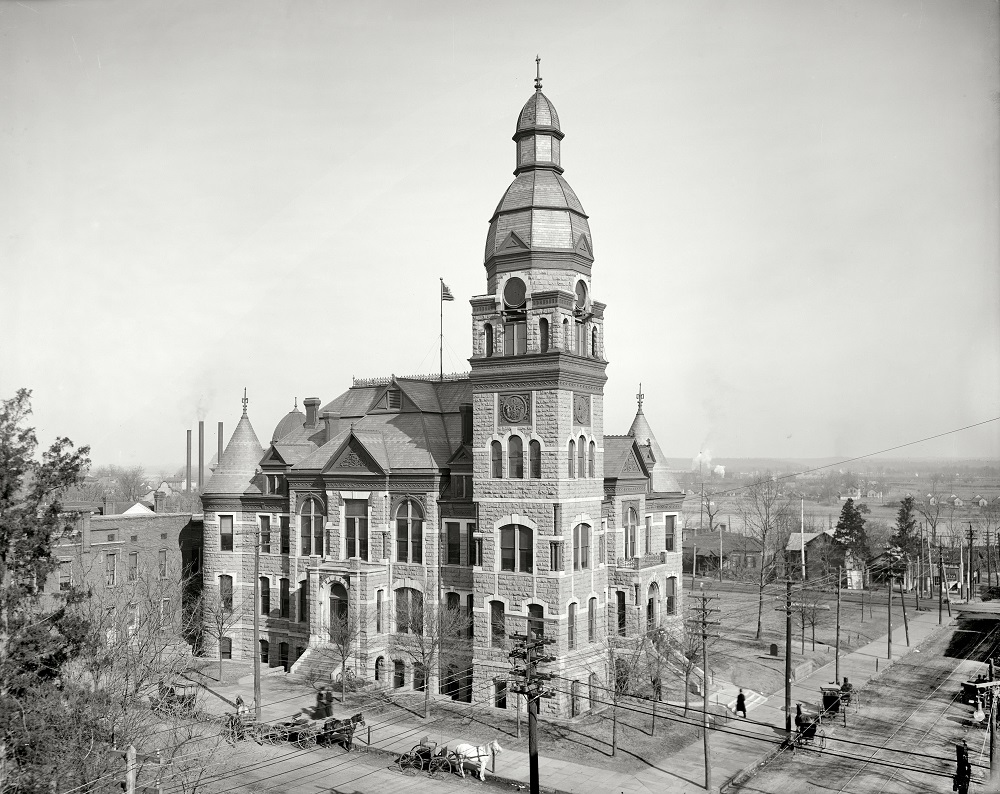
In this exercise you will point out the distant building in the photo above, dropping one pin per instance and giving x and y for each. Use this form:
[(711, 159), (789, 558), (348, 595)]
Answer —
[(822, 554)]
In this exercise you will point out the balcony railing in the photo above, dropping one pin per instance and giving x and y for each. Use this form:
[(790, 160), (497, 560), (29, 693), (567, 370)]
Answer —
[(646, 561)]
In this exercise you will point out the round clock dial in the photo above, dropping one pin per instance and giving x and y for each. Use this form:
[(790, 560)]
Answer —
[(581, 295), (514, 292)]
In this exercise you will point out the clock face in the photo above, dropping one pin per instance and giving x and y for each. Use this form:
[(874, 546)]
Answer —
[(581, 295), (514, 292)]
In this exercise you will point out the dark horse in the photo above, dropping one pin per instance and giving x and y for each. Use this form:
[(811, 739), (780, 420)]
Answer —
[(342, 731)]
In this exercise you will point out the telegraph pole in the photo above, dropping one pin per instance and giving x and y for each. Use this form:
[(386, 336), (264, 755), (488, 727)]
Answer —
[(940, 584), (256, 624), (970, 563), (906, 624), (528, 648), (128, 783), (836, 657), (702, 621), (788, 658), (891, 577)]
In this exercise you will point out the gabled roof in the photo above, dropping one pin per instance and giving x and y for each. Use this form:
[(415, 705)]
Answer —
[(730, 541), (623, 459), (239, 461), (796, 539)]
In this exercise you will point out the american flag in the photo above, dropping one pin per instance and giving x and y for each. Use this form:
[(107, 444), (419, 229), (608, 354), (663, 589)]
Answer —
[(445, 292)]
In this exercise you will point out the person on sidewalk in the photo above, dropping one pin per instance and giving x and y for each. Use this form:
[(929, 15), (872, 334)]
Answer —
[(320, 708), (328, 702), (741, 704)]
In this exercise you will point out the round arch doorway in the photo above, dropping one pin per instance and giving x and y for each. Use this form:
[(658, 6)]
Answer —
[(338, 606)]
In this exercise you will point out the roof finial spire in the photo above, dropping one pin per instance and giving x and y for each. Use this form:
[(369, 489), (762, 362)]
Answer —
[(296, 406), (640, 397), (245, 401), (538, 73)]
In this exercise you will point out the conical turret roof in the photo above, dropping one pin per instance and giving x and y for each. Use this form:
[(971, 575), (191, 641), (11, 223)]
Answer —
[(239, 460), (643, 434)]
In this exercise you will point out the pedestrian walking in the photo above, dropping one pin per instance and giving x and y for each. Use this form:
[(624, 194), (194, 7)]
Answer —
[(328, 701), (320, 703), (741, 704)]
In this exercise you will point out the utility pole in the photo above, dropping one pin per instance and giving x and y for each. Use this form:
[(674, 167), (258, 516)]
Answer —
[(970, 563), (788, 658), (720, 553), (940, 583), (702, 621), (528, 649), (836, 656), (802, 550), (890, 614), (127, 784), (256, 623), (694, 562), (993, 731), (906, 624)]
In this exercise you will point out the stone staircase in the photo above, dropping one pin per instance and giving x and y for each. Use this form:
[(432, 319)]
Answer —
[(317, 663)]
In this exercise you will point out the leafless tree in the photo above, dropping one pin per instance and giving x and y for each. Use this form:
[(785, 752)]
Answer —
[(681, 645), (128, 483), (812, 608), (344, 632), (930, 507), (217, 612), (434, 636), (765, 515)]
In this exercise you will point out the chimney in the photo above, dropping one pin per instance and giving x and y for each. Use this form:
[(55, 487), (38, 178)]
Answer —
[(218, 458), (330, 419), (109, 506), (201, 455), (312, 407), (187, 477)]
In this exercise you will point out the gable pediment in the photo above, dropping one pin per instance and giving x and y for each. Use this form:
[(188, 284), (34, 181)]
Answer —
[(462, 459), (353, 458), (272, 458), (583, 247), (512, 243)]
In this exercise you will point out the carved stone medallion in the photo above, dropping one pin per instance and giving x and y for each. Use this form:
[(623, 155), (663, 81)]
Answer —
[(581, 409), (515, 409)]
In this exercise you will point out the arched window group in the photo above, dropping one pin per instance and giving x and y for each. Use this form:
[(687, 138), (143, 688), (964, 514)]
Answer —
[(516, 549), (311, 520), (409, 532), (515, 459), (582, 458), (652, 606)]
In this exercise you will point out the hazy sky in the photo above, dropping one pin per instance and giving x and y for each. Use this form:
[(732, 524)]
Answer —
[(794, 209)]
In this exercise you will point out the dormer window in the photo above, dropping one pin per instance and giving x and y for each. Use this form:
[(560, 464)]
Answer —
[(273, 484)]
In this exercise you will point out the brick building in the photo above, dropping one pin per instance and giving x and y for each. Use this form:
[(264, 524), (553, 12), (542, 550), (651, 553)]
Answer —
[(496, 492)]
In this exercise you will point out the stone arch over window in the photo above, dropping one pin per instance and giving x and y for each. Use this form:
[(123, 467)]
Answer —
[(581, 461), (536, 621), (572, 458), (581, 547), (488, 332), (409, 517), (515, 458), (517, 549), (534, 460), (652, 606), (543, 335), (620, 619), (496, 460), (592, 619), (592, 460), (571, 625), (311, 518)]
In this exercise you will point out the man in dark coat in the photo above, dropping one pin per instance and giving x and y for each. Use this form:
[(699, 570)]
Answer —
[(327, 702), (741, 704)]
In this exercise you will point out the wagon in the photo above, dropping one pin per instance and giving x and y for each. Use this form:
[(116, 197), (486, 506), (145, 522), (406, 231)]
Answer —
[(176, 698), (427, 757)]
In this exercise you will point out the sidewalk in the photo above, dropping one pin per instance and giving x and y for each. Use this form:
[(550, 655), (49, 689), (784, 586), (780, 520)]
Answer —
[(682, 772)]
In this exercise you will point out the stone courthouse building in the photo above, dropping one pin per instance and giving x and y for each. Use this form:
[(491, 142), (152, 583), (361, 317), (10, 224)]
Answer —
[(497, 493)]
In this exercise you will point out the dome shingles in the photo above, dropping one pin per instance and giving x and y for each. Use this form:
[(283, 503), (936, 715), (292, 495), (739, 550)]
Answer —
[(293, 420), (538, 111), (662, 481), (239, 461)]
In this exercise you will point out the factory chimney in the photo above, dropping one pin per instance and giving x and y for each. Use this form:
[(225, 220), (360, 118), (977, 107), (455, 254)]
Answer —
[(187, 476), (201, 455)]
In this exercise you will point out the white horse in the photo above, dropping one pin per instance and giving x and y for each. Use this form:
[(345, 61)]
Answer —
[(473, 755)]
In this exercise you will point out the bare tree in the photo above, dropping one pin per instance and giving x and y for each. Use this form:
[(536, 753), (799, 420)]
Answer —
[(434, 636), (765, 515), (344, 632), (681, 644), (930, 507), (217, 611), (812, 607)]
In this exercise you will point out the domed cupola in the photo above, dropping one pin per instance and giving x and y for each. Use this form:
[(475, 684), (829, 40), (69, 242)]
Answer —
[(539, 212)]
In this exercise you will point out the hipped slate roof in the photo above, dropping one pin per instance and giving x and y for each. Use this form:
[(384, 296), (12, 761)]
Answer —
[(239, 461)]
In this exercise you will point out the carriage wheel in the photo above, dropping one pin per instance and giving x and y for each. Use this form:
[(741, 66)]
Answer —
[(439, 767), (409, 764), (306, 739)]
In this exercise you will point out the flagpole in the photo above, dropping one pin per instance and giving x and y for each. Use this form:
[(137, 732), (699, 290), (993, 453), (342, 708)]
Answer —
[(441, 332)]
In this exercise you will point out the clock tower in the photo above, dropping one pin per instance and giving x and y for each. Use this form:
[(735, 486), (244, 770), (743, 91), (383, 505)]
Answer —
[(538, 374)]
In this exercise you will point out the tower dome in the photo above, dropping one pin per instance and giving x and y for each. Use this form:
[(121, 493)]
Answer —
[(539, 212), (293, 420)]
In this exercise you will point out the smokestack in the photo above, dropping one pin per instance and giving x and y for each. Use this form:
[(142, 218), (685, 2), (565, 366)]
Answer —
[(201, 455), (218, 459), (187, 478)]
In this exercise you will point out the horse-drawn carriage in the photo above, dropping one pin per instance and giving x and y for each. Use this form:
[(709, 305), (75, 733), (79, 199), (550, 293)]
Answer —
[(437, 762), (177, 698), (303, 731)]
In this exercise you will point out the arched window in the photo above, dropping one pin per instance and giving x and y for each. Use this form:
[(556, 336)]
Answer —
[(380, 668), (409, 611), (567, 342), (581, 547), (592, 460), (593, 343), (543, 335), (409, 532), (226, 592), (515, 458), (672, 595), (581, 461), (265, 651), (398, 674), (631, 520), (265, 595), (516, 550), (571, 627), (453, 602), (339, 607), (498, 625), (303, 602), (581, 339), (652, 606), (572, 458), (536, 621), (311, 527), (620, 609), (496, 460), (284, 605), (592, 620), (226, 647), (647, 540), (489, 340), (534, 460)]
